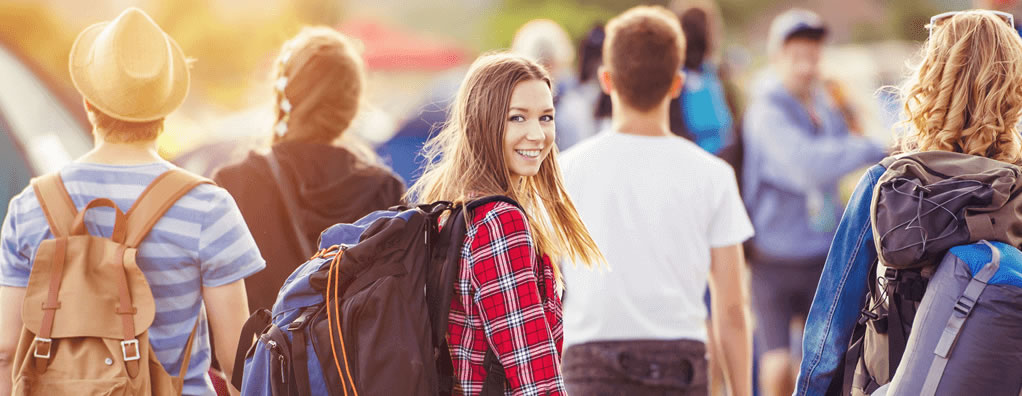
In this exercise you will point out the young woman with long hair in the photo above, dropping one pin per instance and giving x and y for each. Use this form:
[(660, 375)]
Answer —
[(964, 97), (499, 140)]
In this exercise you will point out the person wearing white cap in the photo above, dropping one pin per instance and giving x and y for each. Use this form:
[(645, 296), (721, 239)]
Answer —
[(132, 75), (797, 147)]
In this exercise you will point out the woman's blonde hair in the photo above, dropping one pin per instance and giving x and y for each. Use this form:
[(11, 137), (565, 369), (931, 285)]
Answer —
[(966, 95), (466, 159)]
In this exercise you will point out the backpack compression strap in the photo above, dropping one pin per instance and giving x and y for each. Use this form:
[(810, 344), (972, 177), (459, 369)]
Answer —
[(56, 203), (157, 198), (187, 356)]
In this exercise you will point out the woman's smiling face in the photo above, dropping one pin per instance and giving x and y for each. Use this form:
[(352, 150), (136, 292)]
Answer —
[(529, 132)]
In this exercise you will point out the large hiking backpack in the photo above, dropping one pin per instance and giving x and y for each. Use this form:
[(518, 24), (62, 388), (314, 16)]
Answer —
[(923, 205), (368, 314), (88, 307), (967, 337)]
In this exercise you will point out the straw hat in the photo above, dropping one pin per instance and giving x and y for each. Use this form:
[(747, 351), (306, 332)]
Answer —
[(129, 68)]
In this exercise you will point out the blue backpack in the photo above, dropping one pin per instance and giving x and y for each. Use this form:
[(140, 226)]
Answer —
[(366, 314), (705, 110)]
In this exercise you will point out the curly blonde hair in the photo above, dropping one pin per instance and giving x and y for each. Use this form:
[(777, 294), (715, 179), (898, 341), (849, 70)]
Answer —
[(966, 95)]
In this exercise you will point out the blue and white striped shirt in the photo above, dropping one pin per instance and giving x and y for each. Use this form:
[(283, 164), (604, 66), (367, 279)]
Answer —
[(202, 241)]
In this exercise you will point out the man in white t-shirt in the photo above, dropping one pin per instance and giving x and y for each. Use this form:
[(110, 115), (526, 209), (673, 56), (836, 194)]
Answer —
[(668, 218)]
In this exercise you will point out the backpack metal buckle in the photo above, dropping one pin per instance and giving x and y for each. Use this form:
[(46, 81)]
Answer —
[(124, 350), (49, 347)]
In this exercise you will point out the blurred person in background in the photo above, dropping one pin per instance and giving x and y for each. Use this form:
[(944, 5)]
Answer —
[(584, 110), (703, 113), (311, 177), (547, 43), (797, 147), (670, 222)]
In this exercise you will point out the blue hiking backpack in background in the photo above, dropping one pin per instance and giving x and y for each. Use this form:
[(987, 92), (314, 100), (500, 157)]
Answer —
[(705, 111), (366, 314)]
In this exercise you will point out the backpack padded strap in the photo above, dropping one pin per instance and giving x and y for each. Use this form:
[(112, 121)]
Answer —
[(887, 162), (56, 203), (255, 325), (157, 198)]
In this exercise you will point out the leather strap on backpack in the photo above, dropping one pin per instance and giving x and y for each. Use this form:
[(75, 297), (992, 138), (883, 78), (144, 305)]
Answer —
[(56, 203), (150, 206), (156, 199), (41, 352), (129, 344), (60, 213)]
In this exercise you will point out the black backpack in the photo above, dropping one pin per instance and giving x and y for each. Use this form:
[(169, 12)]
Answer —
[(368, 314)]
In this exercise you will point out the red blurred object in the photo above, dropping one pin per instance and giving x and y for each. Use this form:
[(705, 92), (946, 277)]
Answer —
[(219, 382), (391, 49)]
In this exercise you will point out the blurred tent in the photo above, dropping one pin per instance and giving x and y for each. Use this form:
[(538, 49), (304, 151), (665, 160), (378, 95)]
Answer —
[(387, 48), (419, 61), (402, 150)]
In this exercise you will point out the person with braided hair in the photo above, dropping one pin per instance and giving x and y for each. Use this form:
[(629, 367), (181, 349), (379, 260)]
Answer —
[(314, 174)]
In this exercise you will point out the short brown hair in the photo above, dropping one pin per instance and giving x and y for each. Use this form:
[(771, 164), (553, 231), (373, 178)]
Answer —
[(120, 131), (643, 51)]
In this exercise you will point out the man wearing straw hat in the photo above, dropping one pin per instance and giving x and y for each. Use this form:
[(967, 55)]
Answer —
[(132, 75)]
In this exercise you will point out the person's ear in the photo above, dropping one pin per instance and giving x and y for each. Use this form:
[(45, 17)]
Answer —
[(606, 83), (677, 84)]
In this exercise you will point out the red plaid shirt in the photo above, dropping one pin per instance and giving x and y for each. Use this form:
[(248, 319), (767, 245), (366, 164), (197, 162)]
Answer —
[(505, 300)]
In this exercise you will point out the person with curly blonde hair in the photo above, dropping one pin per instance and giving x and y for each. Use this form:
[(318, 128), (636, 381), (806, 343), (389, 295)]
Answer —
[(965, 97)]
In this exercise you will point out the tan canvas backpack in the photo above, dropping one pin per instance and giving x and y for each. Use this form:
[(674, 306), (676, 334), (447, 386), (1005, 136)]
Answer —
[(88, 307)]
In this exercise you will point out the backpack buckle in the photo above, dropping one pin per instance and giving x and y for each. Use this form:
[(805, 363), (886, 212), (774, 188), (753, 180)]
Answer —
[(49, 347), (124, 350), (891, 274), (964, 306)]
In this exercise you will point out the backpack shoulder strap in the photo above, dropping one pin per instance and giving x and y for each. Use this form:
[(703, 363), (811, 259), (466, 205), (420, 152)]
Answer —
[(471, 206), (286, 187), (157, 198), (56, 203), (186, 357), (888, 161)]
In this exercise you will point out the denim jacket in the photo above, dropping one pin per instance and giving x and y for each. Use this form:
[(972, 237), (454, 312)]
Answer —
[(841, 293)]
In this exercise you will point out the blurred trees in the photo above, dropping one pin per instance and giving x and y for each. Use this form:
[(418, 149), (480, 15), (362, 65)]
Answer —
[(576, 16), (33, 30), (228, 49)]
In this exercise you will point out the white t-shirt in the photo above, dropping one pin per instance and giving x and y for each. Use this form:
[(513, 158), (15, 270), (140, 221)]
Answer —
[(655, 206)]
